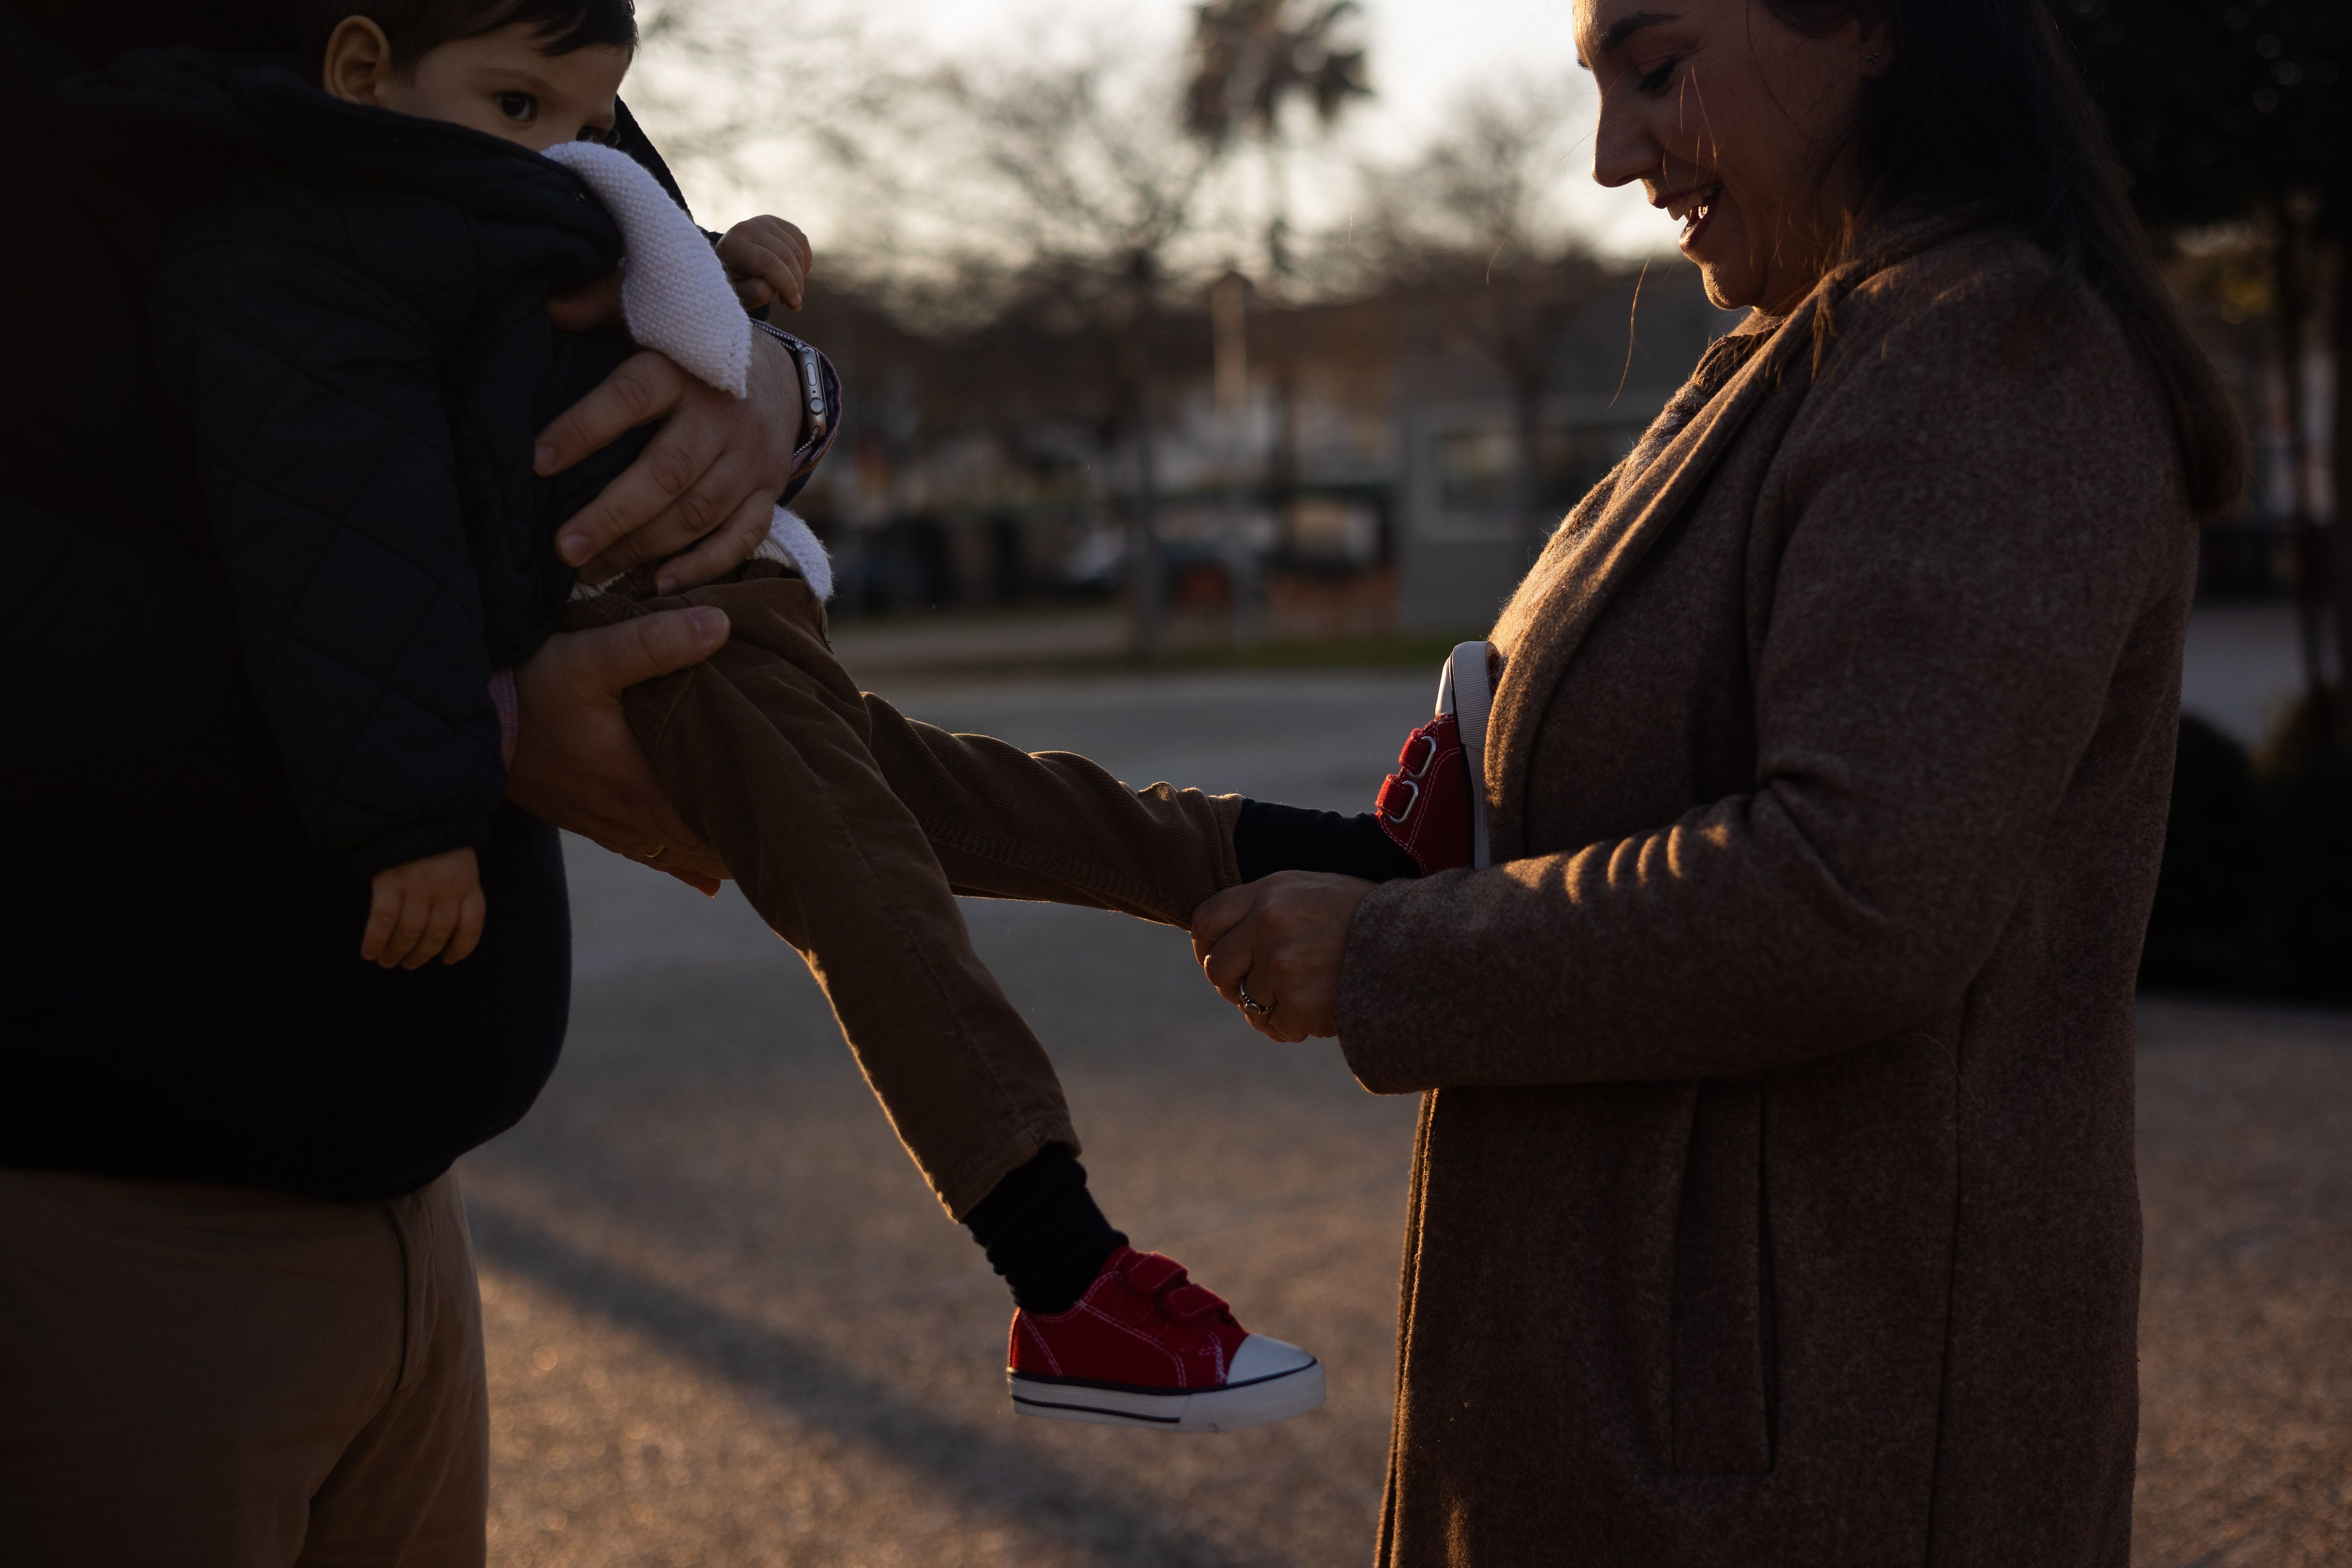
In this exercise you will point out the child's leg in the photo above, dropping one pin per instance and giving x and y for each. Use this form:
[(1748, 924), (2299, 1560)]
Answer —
[(1052, 826), (763, 749), (769, 753)]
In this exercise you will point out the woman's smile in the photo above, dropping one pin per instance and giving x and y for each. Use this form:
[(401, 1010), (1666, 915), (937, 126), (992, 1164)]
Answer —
[(1736, 125), (1693, 209)]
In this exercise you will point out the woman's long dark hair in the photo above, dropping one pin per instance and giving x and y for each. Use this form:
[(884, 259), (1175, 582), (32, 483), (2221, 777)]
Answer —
[(1983, 108)]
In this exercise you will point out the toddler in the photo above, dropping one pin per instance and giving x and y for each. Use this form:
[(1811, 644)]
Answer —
[(355, 319)]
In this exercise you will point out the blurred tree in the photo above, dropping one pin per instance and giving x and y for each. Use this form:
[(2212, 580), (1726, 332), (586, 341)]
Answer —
[(1250, 61), (2239, 114), (1085, 188), (1471, 230)]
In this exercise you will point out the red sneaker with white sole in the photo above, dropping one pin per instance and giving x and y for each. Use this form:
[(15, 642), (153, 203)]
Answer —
[(1147, 1347), (1434, 807)]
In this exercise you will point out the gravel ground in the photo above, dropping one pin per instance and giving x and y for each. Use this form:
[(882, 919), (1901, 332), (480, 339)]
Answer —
[(728, 1326), (2245, 1159)]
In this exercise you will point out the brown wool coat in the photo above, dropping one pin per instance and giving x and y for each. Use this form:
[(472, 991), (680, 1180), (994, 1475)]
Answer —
[(1773, 1202)]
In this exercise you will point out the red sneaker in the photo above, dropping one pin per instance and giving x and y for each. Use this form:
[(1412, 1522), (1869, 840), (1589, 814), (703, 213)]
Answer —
[(1146, 1347), (1434, 807)]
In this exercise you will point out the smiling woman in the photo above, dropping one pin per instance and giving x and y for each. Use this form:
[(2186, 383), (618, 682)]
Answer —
[(1774, 1200), (1742, 133), (1776, 130)]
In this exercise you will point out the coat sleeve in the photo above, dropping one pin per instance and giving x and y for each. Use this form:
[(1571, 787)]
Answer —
[(1972, 536), (329, 475)]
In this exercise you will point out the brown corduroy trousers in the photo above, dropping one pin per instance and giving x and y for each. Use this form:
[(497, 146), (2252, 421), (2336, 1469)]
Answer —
[(851, 830)]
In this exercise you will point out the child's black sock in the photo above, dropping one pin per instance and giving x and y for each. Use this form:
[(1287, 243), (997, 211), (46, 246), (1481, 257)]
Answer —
[(1042, 1232)]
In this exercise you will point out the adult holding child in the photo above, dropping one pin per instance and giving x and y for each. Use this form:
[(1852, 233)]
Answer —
[(237, 1311)]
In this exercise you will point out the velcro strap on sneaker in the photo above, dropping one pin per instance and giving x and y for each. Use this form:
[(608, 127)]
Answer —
[(1187, 1302), (1153, 1271), (1425, 806)]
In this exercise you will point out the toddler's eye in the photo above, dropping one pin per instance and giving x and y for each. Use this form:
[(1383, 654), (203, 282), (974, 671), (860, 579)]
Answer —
[(519, 107), (1654, 80)]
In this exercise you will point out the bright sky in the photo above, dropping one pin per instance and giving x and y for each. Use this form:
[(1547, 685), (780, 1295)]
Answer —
[(1425, 56)]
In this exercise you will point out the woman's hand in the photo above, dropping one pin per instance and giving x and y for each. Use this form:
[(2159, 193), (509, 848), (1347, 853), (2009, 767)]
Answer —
[(712, 474), (576, 762), (1278, 940)]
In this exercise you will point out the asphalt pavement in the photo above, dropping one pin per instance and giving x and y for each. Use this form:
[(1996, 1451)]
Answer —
[(727, 1325)]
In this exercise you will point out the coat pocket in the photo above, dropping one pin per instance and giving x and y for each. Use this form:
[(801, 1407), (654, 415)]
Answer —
[(1724, 1391)]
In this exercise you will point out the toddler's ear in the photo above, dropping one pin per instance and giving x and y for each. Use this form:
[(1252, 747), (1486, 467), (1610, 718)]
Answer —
[(358, 62)]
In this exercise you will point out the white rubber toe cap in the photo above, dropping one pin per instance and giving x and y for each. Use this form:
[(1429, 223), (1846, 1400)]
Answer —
[(1260, 1358)]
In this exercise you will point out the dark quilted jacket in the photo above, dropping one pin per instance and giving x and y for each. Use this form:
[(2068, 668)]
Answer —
[(354, 317)]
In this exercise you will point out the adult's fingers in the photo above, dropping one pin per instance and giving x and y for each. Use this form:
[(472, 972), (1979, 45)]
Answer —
[(722, 549), (1229, 962), (1238, 966), (610, 659), (1220, 913), (645, 386), (678, 479), (728, 480)]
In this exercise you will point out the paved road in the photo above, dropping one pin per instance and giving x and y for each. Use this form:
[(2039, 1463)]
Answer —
[(728, 1326)]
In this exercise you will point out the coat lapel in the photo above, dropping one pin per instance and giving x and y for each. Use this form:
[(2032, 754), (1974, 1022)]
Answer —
[(1591, 557), (1583, 567)]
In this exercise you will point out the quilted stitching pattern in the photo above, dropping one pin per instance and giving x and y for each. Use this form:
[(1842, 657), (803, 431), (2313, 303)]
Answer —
[(362, 346)]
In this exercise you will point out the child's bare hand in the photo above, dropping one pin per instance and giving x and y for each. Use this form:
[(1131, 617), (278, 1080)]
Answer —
[(426, 907), (766, 259)]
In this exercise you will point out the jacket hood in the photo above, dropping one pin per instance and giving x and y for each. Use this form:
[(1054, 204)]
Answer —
[(173, 121)]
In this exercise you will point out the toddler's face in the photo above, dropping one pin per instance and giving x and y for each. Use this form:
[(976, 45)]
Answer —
[(503, 83)]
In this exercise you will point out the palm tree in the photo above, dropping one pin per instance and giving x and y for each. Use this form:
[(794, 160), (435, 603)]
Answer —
[(1251, 60)]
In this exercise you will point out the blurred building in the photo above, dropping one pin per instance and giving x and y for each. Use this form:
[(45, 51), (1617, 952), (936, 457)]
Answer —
[(1463, 546), (1319, 470)]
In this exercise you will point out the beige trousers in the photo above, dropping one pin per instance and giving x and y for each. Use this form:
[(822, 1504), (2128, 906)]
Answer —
[(213, 1377)]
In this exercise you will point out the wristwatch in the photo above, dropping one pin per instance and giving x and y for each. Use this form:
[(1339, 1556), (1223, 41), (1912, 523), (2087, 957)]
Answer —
[(811, 378)]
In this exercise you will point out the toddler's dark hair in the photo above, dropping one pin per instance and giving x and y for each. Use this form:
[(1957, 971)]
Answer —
[(416, 27)]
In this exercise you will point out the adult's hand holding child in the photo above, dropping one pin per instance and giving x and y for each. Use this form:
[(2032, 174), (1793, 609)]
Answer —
[(1278, 940), (576, 762), (705, 487)]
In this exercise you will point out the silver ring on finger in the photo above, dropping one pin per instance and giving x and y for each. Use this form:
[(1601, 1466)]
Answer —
[(1251, 1005)]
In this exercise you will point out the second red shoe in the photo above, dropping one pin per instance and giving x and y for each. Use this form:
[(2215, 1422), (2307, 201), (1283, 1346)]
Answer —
[(1147, 1347)]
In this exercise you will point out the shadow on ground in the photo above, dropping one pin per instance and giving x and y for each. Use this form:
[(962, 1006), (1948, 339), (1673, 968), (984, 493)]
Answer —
[(728, 1326)]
